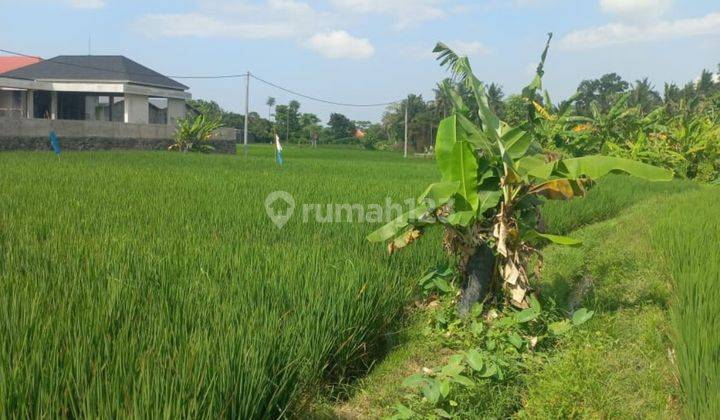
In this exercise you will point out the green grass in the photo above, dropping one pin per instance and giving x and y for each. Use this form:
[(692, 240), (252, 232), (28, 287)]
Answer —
[(154, 285), (617, 365), (652, 350), (614, 366), (688, 237), (608, 199), (364, 398)]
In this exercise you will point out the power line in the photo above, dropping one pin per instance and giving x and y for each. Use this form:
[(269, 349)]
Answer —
[(222, 76), (312, 98), (17, 53)]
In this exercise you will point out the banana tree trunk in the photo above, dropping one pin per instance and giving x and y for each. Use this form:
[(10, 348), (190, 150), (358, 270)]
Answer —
[(478, 279)]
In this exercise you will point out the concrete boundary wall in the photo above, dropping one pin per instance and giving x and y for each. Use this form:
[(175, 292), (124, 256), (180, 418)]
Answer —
[(32, 134)]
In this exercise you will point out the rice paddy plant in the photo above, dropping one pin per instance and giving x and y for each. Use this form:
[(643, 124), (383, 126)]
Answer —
[(606, 200), (154, 285), (689, 239)]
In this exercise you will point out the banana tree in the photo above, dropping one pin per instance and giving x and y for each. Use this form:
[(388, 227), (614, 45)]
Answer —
[(556, 128), (609, 126), (495, 177)]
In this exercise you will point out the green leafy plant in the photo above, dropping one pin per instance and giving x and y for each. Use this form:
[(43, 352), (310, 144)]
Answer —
[(194, 134), (495, 177), (437, 280), (488, 348)]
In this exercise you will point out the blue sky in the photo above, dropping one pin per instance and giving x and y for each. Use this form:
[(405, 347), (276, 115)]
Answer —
[(369, 51)]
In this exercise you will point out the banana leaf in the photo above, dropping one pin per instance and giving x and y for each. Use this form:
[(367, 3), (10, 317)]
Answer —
[(595, 167), (391, 229), (456, 159)]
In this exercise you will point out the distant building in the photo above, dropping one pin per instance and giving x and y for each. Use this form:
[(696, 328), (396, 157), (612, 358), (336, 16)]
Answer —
[(89, 88)]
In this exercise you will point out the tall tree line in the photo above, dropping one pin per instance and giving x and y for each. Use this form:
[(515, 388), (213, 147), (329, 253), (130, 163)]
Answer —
[(593, 98)]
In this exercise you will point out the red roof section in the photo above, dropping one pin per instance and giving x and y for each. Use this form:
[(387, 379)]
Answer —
[(12, 63)]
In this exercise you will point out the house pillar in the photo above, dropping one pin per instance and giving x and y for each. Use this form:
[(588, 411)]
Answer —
[(29, 104), (53, 105), (136, 109), (175, 111)]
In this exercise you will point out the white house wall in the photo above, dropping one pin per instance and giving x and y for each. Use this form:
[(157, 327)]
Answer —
[(156, 92), (136, 109), (176, 111), (93, 88), (136, 96), (30, 104), (53, 105)]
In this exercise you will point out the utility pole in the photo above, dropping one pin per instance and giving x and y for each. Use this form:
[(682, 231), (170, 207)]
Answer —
[(287, 124), (407, 102), (247, 111), (430, 138), (287, 129)]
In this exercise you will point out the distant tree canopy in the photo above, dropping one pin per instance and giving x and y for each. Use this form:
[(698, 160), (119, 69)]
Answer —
[(603, 92), (341, 128), (644, 96), (593, 101), (208, 108), (515, 109), (288, 120)]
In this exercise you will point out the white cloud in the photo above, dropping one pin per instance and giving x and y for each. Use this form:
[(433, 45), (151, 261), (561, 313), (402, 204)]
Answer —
[(204, 26), (291, 6), (340, 44), (469, 48), (417, 52), (405, 12), (266, 19), (236, 19), (622, 33), (636, 8), (87, 4)]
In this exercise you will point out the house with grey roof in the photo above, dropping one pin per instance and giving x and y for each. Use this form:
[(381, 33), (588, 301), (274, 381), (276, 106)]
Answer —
[(93, 102), (92, 88)]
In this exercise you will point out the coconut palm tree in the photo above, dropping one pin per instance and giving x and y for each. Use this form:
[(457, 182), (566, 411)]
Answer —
[(442, 103), (270, 103), (644, 96), (495, 99)]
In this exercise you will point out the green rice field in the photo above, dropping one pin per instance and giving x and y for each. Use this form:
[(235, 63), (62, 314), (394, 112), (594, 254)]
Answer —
[(153, 284), (688, 236)]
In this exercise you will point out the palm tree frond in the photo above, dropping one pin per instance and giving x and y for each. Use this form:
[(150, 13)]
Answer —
[(458, 65)]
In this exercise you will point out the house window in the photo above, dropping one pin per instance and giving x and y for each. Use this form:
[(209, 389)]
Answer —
[(91, 107), (97, 107), (71, 106), (117, 109), (41, 104), (157, 108), (11, 103)]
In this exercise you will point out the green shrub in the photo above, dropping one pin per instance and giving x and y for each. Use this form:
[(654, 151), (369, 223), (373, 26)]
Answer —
[(194, 134)]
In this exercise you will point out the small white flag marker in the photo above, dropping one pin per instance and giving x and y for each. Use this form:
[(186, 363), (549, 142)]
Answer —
[(278, 147)]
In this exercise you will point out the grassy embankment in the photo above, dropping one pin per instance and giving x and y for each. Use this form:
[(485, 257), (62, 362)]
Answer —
[(648, 267)]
